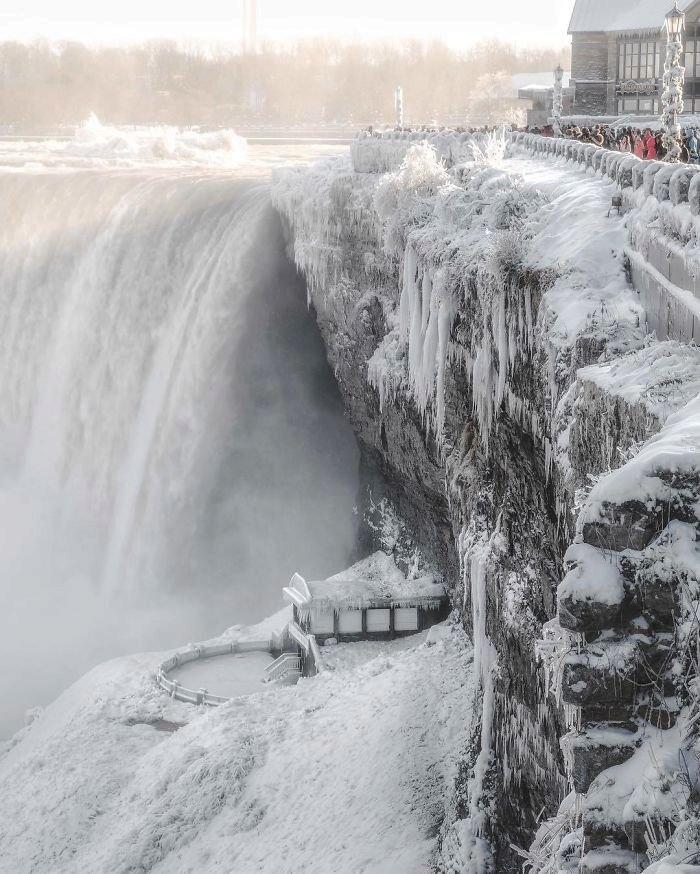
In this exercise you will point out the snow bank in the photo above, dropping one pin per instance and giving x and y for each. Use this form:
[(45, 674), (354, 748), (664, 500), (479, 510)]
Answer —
[(646, 477)]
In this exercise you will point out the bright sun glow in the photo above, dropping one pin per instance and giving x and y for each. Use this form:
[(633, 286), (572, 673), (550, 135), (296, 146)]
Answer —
[(541, 22)]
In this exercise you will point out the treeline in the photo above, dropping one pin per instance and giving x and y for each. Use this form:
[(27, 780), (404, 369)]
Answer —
[(321, 81)]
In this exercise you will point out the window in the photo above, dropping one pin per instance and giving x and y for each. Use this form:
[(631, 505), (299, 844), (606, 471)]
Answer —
[(638, 61), (322, 623), (406, 619), (378, 621), (350, 622), (638, 106)]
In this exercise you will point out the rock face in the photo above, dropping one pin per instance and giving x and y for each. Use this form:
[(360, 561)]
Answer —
[(445, 309)]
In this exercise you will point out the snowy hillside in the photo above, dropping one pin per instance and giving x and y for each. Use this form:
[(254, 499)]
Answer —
[(348, 772)]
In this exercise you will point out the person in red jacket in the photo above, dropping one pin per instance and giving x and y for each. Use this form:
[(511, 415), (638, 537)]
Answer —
[(650, 143), (638, 146)]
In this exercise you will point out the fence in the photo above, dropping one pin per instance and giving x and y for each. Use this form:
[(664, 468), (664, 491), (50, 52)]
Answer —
[(194, 653)]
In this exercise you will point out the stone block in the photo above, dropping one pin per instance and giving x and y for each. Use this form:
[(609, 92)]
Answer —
[(589, 616), (610, 860), (662, 182), (619, 716), (585, 684), (626, 526), (680, 184), (651, 169), (599, 834), (590, 756), (658, 599)]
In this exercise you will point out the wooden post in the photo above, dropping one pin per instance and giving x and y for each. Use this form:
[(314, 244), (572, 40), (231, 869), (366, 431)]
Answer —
[(336, 624), (392, 622), (364, 623)]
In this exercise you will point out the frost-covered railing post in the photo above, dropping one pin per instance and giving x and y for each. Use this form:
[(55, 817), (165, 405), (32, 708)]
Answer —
[(398, 105), (557, 100), (674, 77)]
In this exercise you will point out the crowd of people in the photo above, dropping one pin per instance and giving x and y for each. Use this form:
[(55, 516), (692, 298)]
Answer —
[(645, 144)]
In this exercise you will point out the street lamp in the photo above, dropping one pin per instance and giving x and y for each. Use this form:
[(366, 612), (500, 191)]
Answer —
[(557, 100), (674, 78), (398, 104)]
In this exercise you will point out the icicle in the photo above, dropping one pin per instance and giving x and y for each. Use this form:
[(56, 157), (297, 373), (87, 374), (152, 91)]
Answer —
[(408, 291)]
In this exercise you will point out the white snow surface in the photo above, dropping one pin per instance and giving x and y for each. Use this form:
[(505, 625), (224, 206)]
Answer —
[(373, 579), (673, 450), (663, 377), (348, 772), (596, 576), (573, 236)]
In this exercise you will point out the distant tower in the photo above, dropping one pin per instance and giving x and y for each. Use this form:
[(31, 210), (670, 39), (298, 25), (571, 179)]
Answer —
[(250, 26)]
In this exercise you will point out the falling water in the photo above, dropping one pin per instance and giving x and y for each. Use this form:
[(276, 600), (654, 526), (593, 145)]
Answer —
[(172, 445)]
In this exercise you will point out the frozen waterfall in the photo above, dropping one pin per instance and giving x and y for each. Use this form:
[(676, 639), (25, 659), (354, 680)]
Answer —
[(172, 445)]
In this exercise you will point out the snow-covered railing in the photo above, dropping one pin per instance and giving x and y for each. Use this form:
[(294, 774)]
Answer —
[(194, 653), (287, 663), (309, 647), (677, 183), (663, 203)]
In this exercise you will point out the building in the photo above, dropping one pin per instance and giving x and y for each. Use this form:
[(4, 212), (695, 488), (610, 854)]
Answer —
[(618, 51), (372, 600), (538, 90)]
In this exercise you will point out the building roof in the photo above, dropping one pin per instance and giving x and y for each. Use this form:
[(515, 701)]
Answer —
[(538, 81), (590, 16), (375, 580)]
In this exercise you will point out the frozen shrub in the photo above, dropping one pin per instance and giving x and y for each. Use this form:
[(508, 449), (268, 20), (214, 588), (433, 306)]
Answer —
[(405, 199)]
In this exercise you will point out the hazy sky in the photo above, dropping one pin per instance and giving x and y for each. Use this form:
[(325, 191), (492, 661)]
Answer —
[(458, 22)]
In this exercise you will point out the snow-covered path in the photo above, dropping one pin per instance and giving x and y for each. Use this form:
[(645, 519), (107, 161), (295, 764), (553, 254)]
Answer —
[(347, 772)]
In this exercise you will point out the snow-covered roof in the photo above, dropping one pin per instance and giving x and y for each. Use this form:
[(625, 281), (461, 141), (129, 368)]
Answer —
[(372, 581), (533, 81), (619, 15)]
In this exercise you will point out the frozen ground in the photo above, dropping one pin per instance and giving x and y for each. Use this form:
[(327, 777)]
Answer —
[(351, 656), (348, 772), (227, 676)]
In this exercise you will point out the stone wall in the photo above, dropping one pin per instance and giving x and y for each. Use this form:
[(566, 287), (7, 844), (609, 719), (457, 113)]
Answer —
[(590, 73)]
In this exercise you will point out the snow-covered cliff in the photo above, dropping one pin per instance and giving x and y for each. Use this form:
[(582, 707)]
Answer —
[(493, 357)]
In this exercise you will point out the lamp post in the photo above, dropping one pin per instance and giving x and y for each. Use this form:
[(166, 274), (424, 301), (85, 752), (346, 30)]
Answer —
[(398, 105), (557, 100), (674, 78)]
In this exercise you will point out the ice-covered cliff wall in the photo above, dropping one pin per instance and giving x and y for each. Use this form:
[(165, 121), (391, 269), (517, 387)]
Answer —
[(456, 309), (494, 361)]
